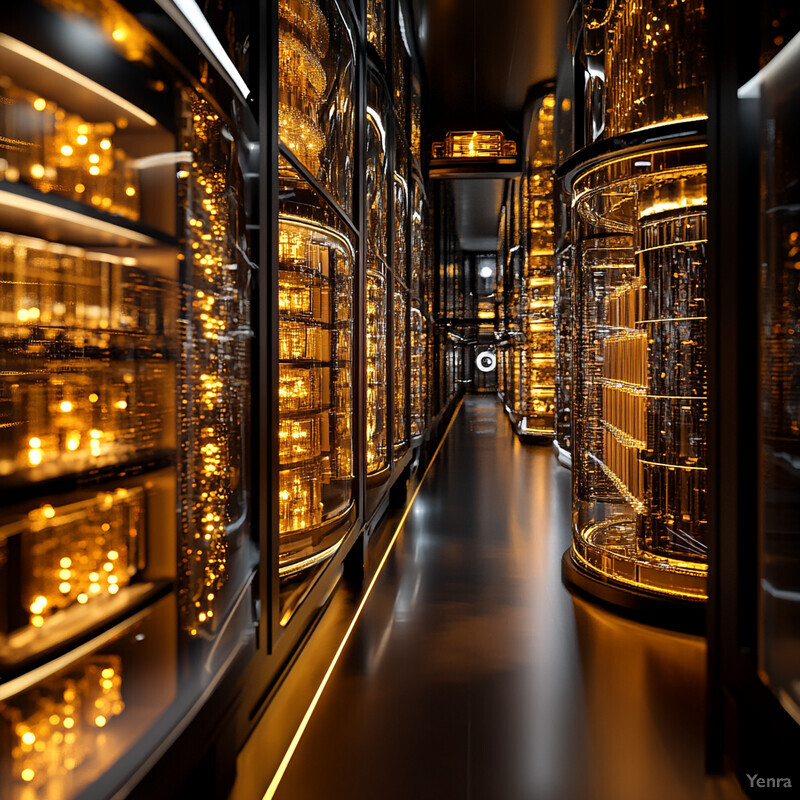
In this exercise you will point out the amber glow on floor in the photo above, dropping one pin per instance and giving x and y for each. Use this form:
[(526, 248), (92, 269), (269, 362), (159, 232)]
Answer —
[(273, 787)]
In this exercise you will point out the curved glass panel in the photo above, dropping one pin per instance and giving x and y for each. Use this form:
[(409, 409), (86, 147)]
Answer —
[(316, 263), (125, 543), (376, 25), (645, 74), (377, 202), (779, 430), (419, 376), (316, 86), (639, 459), (537, 368), (400, 377)]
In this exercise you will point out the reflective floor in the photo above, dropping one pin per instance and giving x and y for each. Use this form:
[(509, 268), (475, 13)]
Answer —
[(473, 673)]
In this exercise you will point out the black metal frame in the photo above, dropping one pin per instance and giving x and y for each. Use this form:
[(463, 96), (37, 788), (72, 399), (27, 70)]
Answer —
[(748, 731)]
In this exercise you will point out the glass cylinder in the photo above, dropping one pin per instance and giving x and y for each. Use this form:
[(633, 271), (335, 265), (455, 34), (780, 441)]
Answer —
[(640, 395), (315, 276)]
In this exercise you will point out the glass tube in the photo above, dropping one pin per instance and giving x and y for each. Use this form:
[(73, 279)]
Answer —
[(640, 394)]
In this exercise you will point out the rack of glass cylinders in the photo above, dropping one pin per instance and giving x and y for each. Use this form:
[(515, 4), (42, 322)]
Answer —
[(501, 307), (124, 396), (377, 357), (418, 343), (537, 312), (316, 403), (402, 204), (418, 363), (639, 232), (316, 262)]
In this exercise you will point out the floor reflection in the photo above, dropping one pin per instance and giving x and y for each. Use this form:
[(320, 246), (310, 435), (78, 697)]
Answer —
[(473, 673)]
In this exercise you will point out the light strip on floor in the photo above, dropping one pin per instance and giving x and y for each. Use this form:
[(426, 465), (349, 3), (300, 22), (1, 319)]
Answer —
[(273, 787)]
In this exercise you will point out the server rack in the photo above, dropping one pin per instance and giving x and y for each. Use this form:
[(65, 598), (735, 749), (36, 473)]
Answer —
[(638, 200), (188, 320)]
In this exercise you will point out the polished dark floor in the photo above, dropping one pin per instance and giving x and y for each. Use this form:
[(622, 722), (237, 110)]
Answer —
[(473, 673)]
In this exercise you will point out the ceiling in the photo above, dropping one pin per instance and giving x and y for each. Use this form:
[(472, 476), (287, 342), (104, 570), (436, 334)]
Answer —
[(480, 58)]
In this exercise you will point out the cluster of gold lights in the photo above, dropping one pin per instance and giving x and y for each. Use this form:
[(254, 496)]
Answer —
[(537, 356), (475, 144), (303, 40), (400, 382), (376, 371), (419, 371), (646, 393), (59, 725), (303, 297), (206, 393), (78, 411), (44, 145), (642, 37), (79, 551)]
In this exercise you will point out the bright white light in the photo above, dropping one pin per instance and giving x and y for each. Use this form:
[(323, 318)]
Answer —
[(375, 118), (194, 23), (782, 62), (486, 272)]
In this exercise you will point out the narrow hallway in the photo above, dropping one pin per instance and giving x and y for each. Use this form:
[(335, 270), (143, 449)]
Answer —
[(473, 673)]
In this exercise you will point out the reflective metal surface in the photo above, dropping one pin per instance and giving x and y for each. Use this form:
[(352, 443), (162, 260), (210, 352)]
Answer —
[(473, 673)]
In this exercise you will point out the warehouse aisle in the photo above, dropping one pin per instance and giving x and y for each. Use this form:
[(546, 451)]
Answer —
[(473, 673)]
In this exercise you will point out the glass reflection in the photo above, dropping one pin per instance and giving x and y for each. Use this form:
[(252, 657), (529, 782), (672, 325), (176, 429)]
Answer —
[(316, 89)]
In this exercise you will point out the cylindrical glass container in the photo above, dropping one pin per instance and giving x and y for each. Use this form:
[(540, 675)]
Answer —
[(315, 394), (646, 62), (640, 394)]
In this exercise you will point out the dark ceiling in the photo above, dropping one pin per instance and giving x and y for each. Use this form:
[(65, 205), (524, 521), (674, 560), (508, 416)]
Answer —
[(481, 57)]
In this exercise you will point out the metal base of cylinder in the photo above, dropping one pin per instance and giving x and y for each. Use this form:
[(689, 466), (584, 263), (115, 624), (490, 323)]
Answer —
[(664, 611)]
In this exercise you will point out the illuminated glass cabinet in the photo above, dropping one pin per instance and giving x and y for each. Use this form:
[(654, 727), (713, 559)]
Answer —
[(126, 551)]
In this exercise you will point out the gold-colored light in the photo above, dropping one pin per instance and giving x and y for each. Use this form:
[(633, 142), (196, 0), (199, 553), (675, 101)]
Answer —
[(54, 726), (641, 443), (302, 45), (315, 263), (475, 144)]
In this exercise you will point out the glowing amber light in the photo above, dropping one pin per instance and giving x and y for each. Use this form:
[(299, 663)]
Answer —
[(475, 144), (27, 775), (37, 171), (105, 144), (119, 34), (82, 139), (66, 150), (65, 406), (40, 104)]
